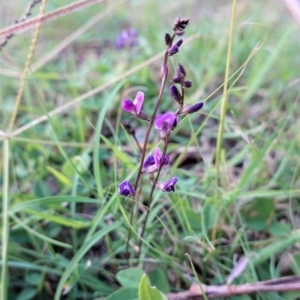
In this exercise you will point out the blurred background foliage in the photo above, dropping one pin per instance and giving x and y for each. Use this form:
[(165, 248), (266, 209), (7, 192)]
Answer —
[(64, 171)]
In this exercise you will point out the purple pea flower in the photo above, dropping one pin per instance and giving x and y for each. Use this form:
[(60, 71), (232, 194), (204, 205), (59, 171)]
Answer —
[(127, 38), (135, 106), (169, 186), (153, 162), (125, 188), (164, 123), (173, 50), (192, 108)]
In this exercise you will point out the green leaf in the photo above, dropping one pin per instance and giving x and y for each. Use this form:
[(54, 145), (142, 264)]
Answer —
[(97, 166), (193, 218), (33, 278), (277, 246), (80, 253), (51, 201), (191, 239), (59, 219), (41, 189), (125, 293), (209, 212), (264, 208), (147, 292), (278, 229), (256, 223), (130, 277), (60, 177), (27, 294), (159, 279), (291, 295)]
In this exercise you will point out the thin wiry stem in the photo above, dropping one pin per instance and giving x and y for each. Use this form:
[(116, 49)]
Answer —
[(5, 221), (137, 143), (166, 143), (150, 124), (26, 68), (225, 93), (24, 18), (47, 17), (151, 196)]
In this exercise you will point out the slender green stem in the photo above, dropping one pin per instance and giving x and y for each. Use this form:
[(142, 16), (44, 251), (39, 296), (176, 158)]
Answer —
[(225, 93), (151, 196), (5, 221)]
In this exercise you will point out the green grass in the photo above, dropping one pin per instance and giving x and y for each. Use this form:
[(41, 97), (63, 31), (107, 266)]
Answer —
[(63, 224)]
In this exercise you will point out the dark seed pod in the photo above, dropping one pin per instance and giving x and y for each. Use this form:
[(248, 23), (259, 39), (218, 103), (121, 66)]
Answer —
[(176, 80), (180, 24), (181, 70), (168, 39), (173, 50), (179, 43), (175, 94), (192, 108), (187, 84)]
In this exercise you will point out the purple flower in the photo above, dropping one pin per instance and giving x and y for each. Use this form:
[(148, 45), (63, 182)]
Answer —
[(166, 122), (187, 84), (192, 108), (173, 50), (135, 106), (152, 162), (148, 163), (125, 188), (169, 186), (127, 38)]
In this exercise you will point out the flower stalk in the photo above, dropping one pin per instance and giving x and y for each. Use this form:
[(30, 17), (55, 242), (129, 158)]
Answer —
[(164, 123)]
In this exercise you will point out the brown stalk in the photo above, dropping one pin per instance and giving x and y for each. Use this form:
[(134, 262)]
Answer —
[(47, 17), (284, 284)]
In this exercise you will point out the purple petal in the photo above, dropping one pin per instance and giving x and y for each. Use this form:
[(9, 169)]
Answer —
[(157, 157), (138, 102), (192, 108), (165, 121), (166, 160), (125, 188), (149, 161), (173, 50), (169, 186), (128, 105)]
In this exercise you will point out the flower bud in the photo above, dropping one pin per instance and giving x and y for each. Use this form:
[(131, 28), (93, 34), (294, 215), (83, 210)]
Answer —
[(181, 70), (168, 39), (179, 32), (179, 43), (187, 84), (173, 50), (192, 108), (142, 115), (175, 94)]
